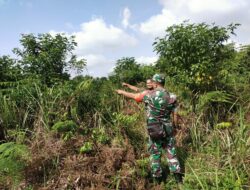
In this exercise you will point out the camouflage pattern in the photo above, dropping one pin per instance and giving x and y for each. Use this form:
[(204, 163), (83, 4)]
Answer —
[(159, 78), (155, 148), (159, 106)]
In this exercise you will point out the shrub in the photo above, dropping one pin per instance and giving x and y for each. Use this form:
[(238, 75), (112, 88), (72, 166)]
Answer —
[(87, 147), (65, 126), (13, 158)]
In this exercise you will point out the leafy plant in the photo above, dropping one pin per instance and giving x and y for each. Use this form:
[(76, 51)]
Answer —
[(65, 126), (87, 147), (13, 158), (99, 135), (46, 56), (143, 167), (196, 56)]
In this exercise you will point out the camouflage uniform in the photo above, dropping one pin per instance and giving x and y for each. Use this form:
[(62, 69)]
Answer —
[(155, 101), (159, 106)]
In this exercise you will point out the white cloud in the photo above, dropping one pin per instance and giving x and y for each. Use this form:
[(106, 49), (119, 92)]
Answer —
[(156, 25), (198, 6), (96, 41), (146, 60), (98, 65), (221, 12), (54, 33), (95, 59), (221, 6), (126, 17), (97, 37)]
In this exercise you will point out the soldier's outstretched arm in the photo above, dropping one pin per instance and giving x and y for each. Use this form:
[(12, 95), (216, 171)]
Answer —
[(134, 88), (126, 94)]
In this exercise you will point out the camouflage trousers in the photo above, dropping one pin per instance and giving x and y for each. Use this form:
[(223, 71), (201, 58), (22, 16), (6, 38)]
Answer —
[(156, 147)]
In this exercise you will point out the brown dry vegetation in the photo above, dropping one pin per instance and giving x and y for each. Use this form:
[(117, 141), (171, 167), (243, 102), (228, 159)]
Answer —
[(57, 164), (104, 168)]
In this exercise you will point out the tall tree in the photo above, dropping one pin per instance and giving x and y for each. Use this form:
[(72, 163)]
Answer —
[(48, 57), (128, 70), (196, 55), (9, 71)]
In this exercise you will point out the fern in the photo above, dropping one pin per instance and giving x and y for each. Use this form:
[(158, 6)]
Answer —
[(214, 96), (215, 106), (12, 160)]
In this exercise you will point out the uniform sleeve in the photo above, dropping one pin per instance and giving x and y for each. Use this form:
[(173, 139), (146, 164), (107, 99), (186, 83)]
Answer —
[(139, 97), (173, 101)]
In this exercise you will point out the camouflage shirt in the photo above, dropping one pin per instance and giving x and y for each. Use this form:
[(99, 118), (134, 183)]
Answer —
[(158, 104)]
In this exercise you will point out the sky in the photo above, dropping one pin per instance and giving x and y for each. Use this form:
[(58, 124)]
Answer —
[(107, 30)]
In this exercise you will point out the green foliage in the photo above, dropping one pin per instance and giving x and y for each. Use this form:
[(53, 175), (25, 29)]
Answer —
[(127, 70), (240, 76), (223, 125), (214, 96), (215, 106), (147, 71), (8, 118), (124, 120), (221, 160), (89, 98), (100, 135), (65, 126), (200, 65), (9, 71), (195, 55), (129, 125), (13, 158), (243, 67), (143, 167), (95, 95), (46, 56), (87, 147)]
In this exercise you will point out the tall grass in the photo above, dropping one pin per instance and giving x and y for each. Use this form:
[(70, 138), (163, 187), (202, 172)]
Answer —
[(222, 159)]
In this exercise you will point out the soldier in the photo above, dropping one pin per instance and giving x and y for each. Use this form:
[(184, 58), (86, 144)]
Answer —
[(159, 106)]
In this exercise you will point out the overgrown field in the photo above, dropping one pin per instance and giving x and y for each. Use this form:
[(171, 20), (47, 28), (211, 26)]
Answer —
[(58, 132)]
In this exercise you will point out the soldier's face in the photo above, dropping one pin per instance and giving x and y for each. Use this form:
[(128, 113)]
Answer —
[(149, 84)]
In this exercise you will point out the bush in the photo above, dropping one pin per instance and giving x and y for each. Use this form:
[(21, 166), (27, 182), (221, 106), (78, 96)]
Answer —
[(87, 147), (13, 158), (65, 126)]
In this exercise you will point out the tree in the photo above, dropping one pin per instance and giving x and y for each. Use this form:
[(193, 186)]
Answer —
[(147, 71), (243, 69), (127, 70), (48, 57), (9, 71), (195, 55), (240, 75), (9, 74)]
